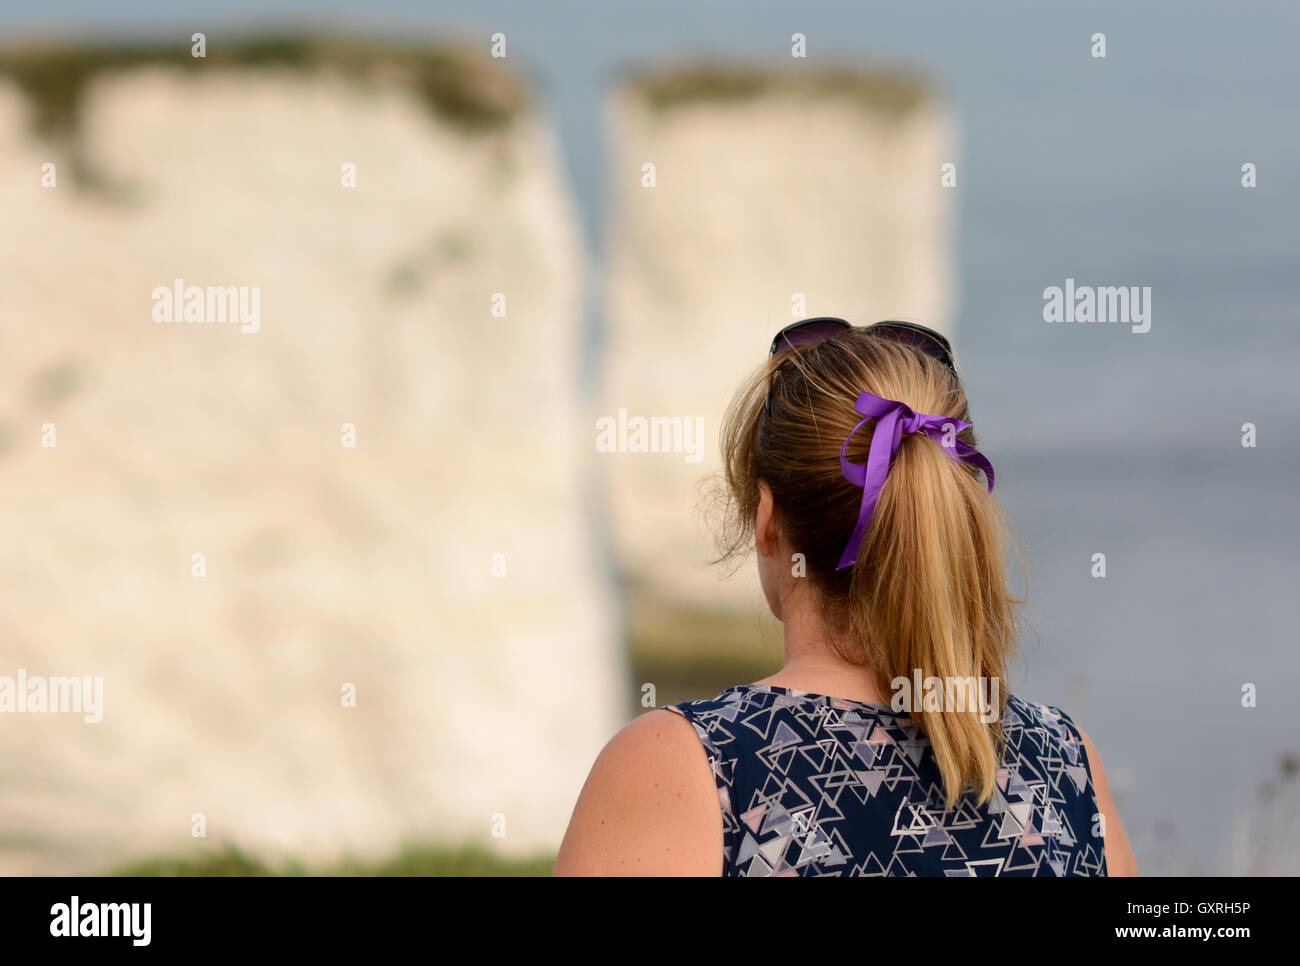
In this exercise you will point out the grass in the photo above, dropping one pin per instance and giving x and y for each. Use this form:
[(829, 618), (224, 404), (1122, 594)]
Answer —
[(410, 860)]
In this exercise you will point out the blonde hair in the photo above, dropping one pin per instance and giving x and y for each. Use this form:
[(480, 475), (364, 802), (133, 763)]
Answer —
[(928, 590)]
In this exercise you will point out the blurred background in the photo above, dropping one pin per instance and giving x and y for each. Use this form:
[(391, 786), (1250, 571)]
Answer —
[(428, 593)]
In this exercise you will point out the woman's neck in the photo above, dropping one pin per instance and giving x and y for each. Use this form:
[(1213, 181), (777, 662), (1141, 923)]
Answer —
[(813, 663)]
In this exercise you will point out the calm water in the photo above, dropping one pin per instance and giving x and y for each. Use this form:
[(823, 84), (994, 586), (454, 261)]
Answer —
[(1117, 171)]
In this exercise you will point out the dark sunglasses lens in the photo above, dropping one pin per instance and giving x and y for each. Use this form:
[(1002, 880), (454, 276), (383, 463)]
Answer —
[(927, 340), (806, 333)]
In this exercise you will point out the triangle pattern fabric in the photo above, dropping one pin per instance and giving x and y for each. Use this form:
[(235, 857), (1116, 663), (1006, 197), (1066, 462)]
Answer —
[(813, 785)]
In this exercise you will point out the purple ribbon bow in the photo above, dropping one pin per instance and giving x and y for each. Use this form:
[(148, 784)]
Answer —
[(893, 420)]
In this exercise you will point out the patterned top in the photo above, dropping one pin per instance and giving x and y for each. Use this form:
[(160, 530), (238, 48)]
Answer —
[(814, 785)]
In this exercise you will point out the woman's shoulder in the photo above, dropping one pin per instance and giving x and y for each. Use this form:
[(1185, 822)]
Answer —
[(654, 776)]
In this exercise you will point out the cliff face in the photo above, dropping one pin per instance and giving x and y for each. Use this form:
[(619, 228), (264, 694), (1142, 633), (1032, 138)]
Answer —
[(326, 565), (767, 189)]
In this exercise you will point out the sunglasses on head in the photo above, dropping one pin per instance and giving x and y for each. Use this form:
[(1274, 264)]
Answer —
[(808, 332)]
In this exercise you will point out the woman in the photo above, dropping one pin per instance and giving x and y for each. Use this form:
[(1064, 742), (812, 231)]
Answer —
[(887, 744)]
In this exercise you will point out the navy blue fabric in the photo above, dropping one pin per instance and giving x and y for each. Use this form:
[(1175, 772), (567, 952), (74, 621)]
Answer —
[(814, 785)]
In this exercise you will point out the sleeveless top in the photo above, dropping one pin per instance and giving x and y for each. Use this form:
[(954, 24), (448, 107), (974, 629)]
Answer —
[(821, 786)]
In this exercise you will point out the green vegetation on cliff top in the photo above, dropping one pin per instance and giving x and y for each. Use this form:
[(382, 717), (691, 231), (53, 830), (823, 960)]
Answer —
[(463, 88), (887, 93)]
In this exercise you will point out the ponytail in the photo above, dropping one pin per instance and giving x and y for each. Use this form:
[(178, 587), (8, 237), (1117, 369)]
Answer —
[(928, 594)]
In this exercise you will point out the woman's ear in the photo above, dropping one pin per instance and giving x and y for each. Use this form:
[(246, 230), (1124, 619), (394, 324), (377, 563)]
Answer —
[(767, 527)]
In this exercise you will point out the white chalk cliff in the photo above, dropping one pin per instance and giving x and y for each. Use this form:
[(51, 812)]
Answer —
[(478, 696)]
